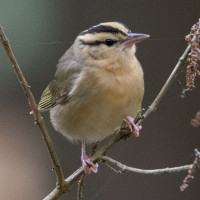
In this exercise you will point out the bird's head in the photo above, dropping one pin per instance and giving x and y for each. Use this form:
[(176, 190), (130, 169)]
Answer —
[(106, 43)]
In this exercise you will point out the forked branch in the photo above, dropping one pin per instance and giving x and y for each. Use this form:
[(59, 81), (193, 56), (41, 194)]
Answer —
[(125, 168)]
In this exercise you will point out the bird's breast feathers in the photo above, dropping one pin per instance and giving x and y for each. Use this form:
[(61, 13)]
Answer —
[(98, 102)]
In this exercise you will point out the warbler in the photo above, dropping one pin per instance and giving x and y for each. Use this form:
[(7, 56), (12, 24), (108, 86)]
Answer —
[(98, 83)]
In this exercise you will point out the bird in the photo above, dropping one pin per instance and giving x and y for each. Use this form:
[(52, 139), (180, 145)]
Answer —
[(98, 83)]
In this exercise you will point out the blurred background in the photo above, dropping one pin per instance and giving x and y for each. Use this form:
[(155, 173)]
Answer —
[(39, 33)]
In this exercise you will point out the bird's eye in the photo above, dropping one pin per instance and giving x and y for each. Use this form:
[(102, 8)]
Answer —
[(109, 42)]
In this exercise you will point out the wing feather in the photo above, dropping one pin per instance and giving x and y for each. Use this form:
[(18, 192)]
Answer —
[(57, 91)]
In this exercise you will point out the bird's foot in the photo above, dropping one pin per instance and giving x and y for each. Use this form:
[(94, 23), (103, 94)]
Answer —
[(135, 128), (88, 165)]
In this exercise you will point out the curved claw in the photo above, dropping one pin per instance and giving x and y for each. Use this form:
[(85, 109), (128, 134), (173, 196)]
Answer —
[(131, 124), (88, 165)]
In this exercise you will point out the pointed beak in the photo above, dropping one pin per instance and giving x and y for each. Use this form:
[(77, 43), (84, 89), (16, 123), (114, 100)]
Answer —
[(134, 38)]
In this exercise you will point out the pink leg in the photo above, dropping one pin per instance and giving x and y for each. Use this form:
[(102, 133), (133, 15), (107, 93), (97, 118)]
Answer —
[(131, 124), (87, 164)]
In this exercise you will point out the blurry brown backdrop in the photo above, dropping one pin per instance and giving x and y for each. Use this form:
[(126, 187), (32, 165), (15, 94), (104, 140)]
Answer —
[(40, 32)]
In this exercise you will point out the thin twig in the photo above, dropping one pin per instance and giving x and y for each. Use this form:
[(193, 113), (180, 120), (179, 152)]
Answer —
[(33, 105), (125, 168), (80, 187), (166, 86), (94, 148), (57, 192), (113, 169)]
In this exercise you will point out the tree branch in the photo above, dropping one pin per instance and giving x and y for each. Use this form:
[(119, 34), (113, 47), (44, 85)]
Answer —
[(125, 168), (57, 192), (80, 187), (166, 86), (33, 105)]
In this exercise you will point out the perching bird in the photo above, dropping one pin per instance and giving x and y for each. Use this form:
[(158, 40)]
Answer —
[(98, 83)]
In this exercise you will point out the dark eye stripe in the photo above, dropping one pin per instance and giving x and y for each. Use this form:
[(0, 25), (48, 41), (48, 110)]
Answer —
[(95, 43), (102, 29)]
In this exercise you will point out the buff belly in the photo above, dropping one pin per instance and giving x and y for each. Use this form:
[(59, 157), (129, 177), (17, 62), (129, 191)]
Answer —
[(91, 121)]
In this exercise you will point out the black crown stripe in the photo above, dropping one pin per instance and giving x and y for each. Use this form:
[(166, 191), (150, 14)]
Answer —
[(102, 29)]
